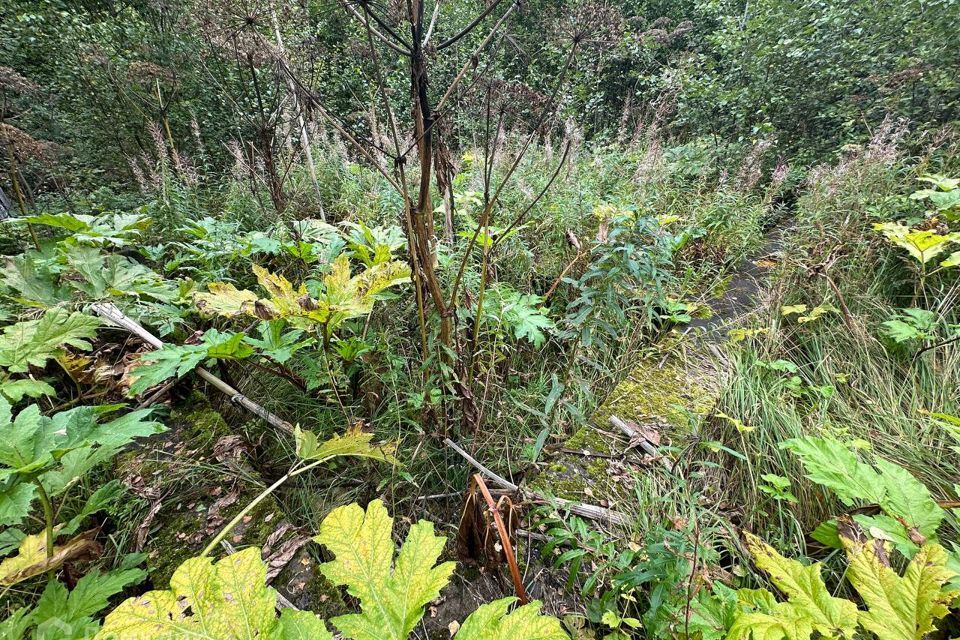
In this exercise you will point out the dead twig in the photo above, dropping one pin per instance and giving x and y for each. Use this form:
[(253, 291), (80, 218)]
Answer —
[(585, 510), (642, 442)]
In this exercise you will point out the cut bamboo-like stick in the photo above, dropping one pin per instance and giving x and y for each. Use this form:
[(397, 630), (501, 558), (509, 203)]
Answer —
[(586, 510), (632, 433), (113, 315)]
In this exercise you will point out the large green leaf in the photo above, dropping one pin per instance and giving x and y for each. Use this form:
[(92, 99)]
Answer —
[(15, 503), (392, 593), (15, 390), (832, 464), (806, 592), (171, 361), (28, 441), (899, 494), (33, 342), (68, 615), (901, 608), (492, 622), (907, 498), (33, 278), (228, 600), (107, 276)]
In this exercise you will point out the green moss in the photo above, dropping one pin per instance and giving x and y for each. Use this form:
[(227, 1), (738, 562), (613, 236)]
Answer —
[(665, 395), (588, 439), (570, 475)]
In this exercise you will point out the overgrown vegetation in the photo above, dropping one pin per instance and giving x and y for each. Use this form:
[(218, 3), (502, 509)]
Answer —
[(397, 244)]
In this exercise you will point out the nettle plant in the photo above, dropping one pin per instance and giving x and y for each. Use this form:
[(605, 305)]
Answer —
[(230, 600), (897, 607)]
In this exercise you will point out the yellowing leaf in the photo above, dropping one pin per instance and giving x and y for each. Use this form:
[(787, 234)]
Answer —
[(952, 260), (492, 622), (791, 309), (392, 590), (783, 622), (344, 297), (923, 245), (31, 559), (805, 590), (225, 300), (900, 608), (817, 312), (228, 600), (354, 442)]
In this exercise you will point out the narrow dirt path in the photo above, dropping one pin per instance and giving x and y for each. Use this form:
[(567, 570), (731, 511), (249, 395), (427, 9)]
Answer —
[(662, 396)]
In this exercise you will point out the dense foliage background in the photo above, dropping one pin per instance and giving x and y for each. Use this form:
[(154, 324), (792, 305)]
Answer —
[(481, 224)]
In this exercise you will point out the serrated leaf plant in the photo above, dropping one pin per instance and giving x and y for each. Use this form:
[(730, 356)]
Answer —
[(175, 361), (228, 600), (897, 607), (42, 459), (341, 297), (62, 614)]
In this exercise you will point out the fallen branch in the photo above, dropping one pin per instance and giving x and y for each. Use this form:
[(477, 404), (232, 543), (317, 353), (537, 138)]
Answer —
[(642, 442), (586, 510), (116, 317)]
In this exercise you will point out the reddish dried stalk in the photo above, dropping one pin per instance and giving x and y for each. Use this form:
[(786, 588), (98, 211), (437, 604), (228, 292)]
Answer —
[(504, 539)]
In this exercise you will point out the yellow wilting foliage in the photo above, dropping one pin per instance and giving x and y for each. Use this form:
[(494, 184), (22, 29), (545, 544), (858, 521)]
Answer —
[(344, 296), (898, 608), (32, 560), (354, 442), (229, 600)]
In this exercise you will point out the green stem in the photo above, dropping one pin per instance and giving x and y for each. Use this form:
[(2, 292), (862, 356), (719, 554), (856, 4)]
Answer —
[(253, 503), (479, 314), (48, 520)]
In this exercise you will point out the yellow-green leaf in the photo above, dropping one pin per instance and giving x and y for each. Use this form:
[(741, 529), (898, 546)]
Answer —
[(225, 300), (784, 622), (353, 442), (392, 591), (228, 600), (923, 245), (31, 559), (805, 590), (900, 608), (492, 622)]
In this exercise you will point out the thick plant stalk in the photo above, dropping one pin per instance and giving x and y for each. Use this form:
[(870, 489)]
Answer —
[(114, 316)]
